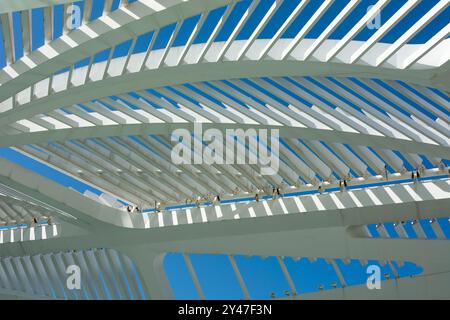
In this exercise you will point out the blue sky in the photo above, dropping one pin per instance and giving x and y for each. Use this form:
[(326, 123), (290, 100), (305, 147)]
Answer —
[(263, 276)]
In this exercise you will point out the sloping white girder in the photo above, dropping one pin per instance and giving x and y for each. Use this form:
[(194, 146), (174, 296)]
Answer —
[(38, 74), (329, 225)]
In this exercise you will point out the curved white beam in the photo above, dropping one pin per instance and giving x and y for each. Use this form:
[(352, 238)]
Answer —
[(44, 275)]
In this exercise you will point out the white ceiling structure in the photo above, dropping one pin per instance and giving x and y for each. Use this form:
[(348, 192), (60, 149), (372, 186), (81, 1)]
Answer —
[(99, 103)]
